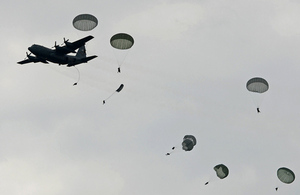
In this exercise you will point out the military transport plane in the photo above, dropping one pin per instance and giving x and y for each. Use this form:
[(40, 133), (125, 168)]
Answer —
[(59, 55)]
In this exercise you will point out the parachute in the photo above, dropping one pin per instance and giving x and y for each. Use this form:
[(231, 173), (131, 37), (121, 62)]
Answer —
[(120, 88), (117, 90), (258, 86), (121, 41), (285, 175), (85, 22), (189, 141), (221, 171)]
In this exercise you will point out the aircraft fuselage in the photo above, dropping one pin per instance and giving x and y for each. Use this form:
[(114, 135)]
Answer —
[(51, 55)]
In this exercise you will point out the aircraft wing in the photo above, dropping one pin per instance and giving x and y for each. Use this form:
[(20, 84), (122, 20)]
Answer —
[(72, 46), (32, 59), (81, 42)]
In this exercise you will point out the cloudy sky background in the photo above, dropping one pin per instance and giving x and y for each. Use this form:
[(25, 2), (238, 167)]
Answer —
[(185, 74)]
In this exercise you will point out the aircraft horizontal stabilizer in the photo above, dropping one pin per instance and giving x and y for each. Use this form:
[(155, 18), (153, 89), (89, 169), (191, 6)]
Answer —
[(82, 60)]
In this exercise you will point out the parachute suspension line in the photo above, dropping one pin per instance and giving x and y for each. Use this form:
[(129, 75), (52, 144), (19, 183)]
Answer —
[(78, 76), (104, 101), (119, 66), (257, 99), (262, 99), (110, 95), (116, 57), (121, 60), (254, 100)]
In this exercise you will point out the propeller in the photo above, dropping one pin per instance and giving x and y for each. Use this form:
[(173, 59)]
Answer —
[(55, 45), (66, 41), (27, 55)]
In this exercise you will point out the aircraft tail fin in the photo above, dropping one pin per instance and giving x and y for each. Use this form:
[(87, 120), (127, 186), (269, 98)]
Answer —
[(81, 53)]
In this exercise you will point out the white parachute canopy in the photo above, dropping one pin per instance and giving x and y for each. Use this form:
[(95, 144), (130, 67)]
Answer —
[(221, 170), (85, 22), (122, 41), (189, 141), (257, 85), (285, 175)]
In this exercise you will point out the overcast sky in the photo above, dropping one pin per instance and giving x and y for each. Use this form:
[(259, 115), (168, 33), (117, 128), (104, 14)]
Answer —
[(185, 74)]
